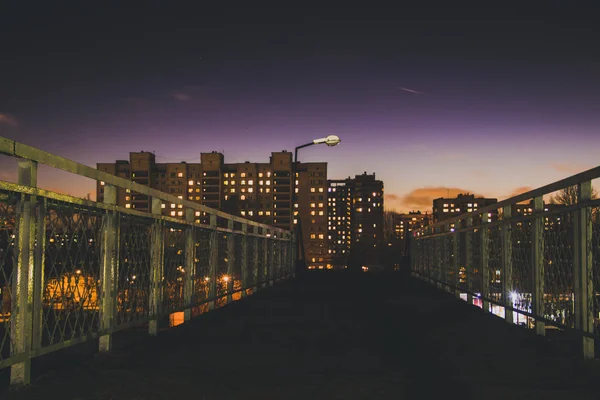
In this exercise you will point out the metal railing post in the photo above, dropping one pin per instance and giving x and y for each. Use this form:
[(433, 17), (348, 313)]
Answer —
[(456, 261), (213, 262), (272, 246), (244, 259), (266, 258), (190, 265), (293, 249), (110, 238), (582, 262), (255, 259), (506, 256), (537, 262), (22, 317), (469, 259), (230, 260), (446, 258), (157, 265), (279, 261), (484, 256)]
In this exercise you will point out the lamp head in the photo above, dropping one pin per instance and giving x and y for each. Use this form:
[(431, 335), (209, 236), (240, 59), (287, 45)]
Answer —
[(331, 140)]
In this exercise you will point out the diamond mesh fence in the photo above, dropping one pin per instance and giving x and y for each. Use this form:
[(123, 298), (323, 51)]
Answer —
[(174, 268), (558, 240), (202, 277), (522, 269), (594, 242), (134, 272), (71, 272), (494, 248), (8, 263)]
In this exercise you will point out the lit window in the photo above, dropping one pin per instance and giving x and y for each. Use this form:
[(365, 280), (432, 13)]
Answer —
[(180, 174), (180, 213), (312, 205), (163, 205), (232, 182), (261, 182), (127, 198), (243, 197), (250, 190), (172, 213), (232, 190), (191, 183), (173, 205), (320, 205), (243, 213), (197, 213), (101, 183), (267, 183), (313, 236), (312, 190), (313, 213), (127, 205), (243, 182), (321, 212), (260, 174), (226, 175), (250, 182), (320, 190), (268, 174), (250, 213)]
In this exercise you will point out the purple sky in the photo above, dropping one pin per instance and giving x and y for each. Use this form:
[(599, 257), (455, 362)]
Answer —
[(498, 100)]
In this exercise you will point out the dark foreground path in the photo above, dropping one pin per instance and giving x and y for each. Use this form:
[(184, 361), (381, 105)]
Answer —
[(332, 336)]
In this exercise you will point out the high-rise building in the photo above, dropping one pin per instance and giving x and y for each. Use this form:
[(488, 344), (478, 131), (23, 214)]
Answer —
[(339, 221), (257, 191), (400, 226), (446, 208), (355, 219)]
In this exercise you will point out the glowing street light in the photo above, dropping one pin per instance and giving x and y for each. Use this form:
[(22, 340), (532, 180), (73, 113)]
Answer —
[(331, 140)]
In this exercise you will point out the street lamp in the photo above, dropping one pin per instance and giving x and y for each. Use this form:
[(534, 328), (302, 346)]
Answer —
[(331, 140)]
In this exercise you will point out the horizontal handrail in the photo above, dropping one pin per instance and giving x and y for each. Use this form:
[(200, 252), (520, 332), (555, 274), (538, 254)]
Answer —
[(573, 180), (15, 149)]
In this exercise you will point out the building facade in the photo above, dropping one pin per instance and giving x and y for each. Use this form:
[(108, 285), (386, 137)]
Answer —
[(258, 191), (446, 208), (355, 219)]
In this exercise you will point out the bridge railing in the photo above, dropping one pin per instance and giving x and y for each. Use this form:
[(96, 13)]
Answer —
[(74, 270), (526, 259)]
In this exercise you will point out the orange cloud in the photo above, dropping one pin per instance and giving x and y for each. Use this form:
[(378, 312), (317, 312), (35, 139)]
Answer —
[(421, 198), (8, 120)]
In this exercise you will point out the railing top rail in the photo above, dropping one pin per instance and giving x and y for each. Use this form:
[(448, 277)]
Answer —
[(15, 149), (572, 180)]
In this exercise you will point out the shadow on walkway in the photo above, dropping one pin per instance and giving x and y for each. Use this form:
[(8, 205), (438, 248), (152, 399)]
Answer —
[(332, 336)]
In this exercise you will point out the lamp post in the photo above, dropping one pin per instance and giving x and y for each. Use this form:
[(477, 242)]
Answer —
[(331, 140)]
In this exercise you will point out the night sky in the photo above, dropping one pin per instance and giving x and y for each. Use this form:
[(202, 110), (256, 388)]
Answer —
[(491, 101)]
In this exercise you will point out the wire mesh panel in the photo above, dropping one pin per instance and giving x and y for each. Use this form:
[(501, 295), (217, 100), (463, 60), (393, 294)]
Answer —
[(260, 264), (202, 259), (237, 266), (522, 273), (133, 278), (8, 234), (251, 267), (174, 271), (474, 271), (558, 268), (71, 272), (595, 250), (494, 247), (450, 278), (222, 267), (274, 260)]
